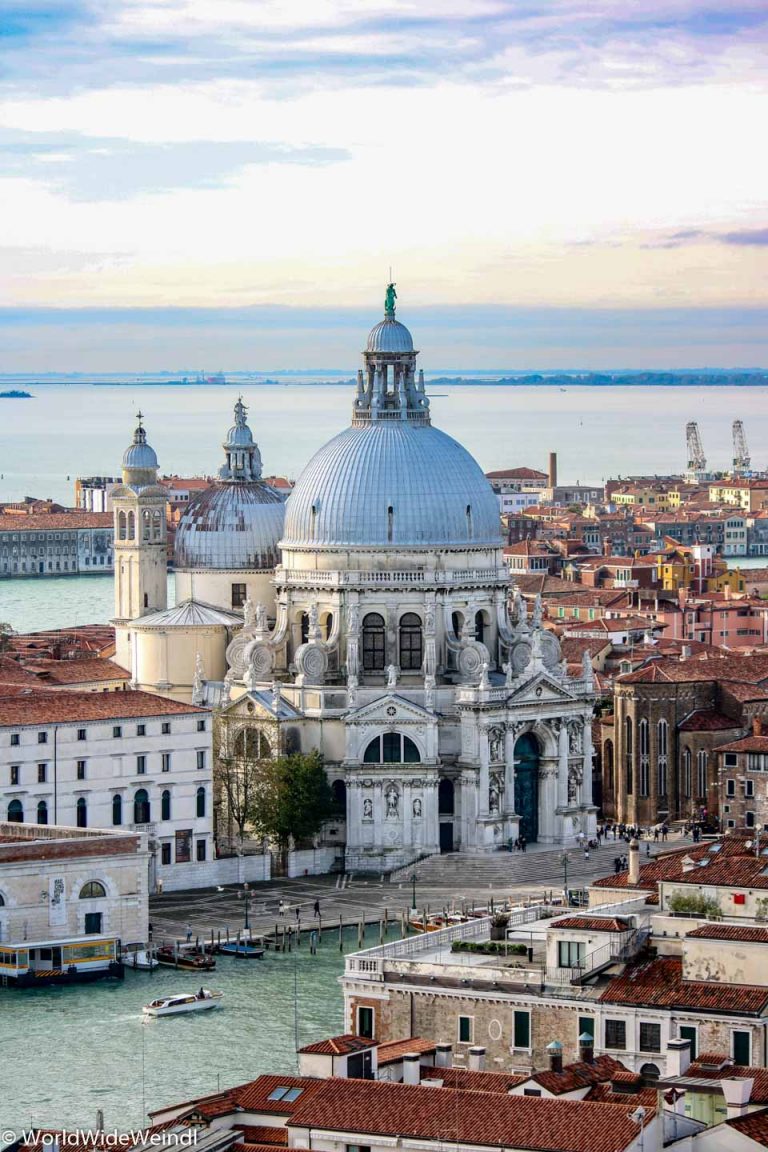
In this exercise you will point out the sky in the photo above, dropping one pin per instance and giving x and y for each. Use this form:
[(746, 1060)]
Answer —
[(225, 184)]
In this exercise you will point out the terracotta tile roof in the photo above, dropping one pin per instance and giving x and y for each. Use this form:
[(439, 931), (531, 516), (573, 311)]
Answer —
[(261, 1134), (708, 720), (41, 708), (747, 933), (754, 1126), (739, 872), (604, 1094), (579, 1075), (84, 670), (395, 1050), (659, 983), (593, 923), (376, 1107), (516, 474), (338, 1046), (725, 667), (747, 744), (468, 1081), (55, 521), (718, 1065), (253, 1096)]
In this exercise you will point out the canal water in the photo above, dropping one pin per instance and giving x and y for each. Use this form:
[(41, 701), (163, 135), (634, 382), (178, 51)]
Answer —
[(67, 1052)]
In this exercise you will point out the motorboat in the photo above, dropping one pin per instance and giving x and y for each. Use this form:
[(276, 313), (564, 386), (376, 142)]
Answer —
[(183, 1002), (140, 959), (247, 948), (185, 957)]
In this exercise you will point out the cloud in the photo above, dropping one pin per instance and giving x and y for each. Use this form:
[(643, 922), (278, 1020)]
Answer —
[(748, 237), (739, 238), (105, 168)]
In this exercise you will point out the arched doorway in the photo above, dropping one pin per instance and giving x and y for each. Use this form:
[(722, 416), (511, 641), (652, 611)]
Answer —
[(527, 754), (446, 807), (650, 1074), (339, 793)]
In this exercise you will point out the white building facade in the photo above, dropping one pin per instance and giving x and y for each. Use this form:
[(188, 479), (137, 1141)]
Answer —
[(113, 760)]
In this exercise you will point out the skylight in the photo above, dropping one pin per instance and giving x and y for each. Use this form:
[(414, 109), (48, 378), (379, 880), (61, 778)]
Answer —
[(286, 1094)]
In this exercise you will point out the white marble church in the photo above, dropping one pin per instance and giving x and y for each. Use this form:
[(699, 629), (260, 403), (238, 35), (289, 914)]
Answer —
[(376, 622)]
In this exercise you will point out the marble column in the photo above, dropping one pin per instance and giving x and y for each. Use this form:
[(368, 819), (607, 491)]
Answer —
[(484, 776), (510, 736), (562, 752), (585, 792), (549, 773)]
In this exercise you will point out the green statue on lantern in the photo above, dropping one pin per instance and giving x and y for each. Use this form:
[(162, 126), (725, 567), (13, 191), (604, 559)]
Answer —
[(389, 302)]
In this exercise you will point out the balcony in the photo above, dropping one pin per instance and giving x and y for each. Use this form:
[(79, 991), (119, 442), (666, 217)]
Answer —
[(373, 579)]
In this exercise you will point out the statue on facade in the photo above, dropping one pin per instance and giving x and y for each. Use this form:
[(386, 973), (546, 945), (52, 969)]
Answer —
[(353, 619), (429, 692), (198, 682), (389, 302), (275, 697), (509, 673), (392, 798), (249, 612), (521, 608), (485, 681), (493, 800), (367, 809), (249, 679), (417, 808), (392, 676), (429, 618), (538, 610), (496, 745), (262, 623), (314, 619)]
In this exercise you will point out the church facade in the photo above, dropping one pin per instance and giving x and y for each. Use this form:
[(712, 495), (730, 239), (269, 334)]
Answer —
[(390, 639)]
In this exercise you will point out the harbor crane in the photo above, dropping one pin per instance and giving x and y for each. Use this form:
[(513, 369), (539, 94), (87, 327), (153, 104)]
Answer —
[(697, 461), (740, 450)]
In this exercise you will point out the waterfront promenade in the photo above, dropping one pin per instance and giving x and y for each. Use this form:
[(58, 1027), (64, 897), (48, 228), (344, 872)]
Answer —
[(360, 898)]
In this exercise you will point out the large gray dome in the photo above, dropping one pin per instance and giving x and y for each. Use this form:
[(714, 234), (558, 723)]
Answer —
[(389, 336), (231, 526), (392, 484)]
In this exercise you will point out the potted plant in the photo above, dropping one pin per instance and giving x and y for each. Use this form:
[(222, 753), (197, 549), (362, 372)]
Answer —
[(499, 923)]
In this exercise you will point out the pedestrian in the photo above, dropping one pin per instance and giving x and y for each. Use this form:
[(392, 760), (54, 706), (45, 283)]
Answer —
[(281, 907), (617, 864), (189, 933), (664, 831), (523, 843), (656, 834), (586, 853), (317, 908), (647, 847)]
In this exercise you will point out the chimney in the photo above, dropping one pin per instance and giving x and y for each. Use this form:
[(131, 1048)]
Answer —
[(685, 652), (737, 1092), (552, 470), (607, 546), (587, 1048), (757, 726), (411, 1068), (634, 862), (555, 1050), (678, 1057), (477, 1059), (443, 1053)]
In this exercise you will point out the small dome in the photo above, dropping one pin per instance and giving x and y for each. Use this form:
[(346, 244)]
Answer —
[(231, 526), (239, 436), (390, 336), (390, 484), (139, 456)]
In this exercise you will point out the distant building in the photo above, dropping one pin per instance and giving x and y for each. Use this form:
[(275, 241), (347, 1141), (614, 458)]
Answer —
[(94, 493), (55, 544)]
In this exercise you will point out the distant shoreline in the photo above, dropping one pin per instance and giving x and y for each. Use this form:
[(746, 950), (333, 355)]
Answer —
[(561, 383)]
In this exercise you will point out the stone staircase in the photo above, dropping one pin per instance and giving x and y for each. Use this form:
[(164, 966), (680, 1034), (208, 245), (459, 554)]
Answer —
[(543, 868)]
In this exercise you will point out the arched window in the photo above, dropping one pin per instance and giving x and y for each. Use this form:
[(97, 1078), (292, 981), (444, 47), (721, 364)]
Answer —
[(392, 748), (81, 810), (251, 744), (146, 520), (480, 627), (117, 810), (642, 748), (457, 623), (661, 758), (157, 526), (165, 804), (42, 812), (374, 643), (304, 627), (687, 782), (93, 890), (141, 808), (2, 900), (628, 753), (200, 802), (411, 643), (121, 526), (701, 775), (131, 526), (608, 763), (326, 625), (339, 793)]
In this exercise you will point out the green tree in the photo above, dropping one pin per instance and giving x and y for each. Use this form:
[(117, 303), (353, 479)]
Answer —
[(291, 799), (694, 904)]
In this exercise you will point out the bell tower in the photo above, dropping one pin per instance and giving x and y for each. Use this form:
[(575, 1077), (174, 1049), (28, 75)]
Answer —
[(140, 547)]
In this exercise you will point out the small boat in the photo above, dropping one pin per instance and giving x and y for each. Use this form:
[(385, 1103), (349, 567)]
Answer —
[(183, 1002), (247, 949), (140, 960), (185, 958)]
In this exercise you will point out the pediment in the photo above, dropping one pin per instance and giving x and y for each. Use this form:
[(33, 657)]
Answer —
[(255, 705), (539, 688), (390, 709)]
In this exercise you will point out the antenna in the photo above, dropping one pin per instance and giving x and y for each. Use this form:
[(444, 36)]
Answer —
[(741, 459)]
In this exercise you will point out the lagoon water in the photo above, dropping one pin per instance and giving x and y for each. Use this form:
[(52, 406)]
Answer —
[(81, 429), (68, 1052)]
